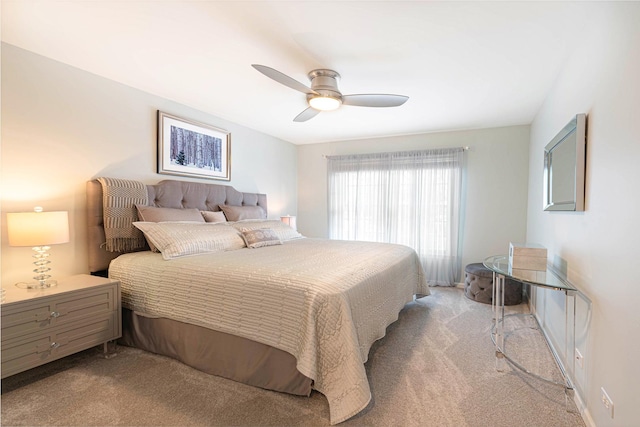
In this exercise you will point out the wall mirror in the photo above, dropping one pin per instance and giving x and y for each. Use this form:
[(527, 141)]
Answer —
[(564, 164)]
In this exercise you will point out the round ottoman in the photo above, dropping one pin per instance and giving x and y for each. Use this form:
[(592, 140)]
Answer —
[(478, 285)]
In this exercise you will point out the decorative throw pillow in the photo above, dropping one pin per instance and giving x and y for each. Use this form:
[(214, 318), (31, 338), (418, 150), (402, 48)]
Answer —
[(210, 216), (237, 213), (155, 214), (260, 238), (282, 230), (177, 239)]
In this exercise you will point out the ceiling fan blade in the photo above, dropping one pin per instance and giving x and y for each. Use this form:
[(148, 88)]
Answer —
[(283, 79), (374, 100), (307, 114)]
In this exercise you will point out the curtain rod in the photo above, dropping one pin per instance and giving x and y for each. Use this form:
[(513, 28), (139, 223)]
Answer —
[(464, 148)]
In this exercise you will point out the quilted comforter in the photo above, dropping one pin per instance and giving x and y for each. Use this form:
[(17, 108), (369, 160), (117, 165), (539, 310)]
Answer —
[(323, 301)]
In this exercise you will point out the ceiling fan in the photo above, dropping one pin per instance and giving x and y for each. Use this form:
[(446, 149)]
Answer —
[(324, 95)]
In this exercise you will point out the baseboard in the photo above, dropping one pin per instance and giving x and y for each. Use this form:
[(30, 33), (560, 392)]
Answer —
[(583, 410), (460, 285)]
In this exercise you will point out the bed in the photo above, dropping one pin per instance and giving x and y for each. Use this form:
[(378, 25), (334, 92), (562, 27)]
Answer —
[(279, 311)]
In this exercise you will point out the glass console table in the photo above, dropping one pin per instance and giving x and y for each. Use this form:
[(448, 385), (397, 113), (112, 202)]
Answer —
[(549, 279)]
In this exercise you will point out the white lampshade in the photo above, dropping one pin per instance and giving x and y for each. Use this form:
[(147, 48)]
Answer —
[(289, 220), (37, 228)]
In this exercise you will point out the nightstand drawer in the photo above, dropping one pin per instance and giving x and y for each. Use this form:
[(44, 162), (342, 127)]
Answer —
[(39, 326), (22, 353), (39, 315)]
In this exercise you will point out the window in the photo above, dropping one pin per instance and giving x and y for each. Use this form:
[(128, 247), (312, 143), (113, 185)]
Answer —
[(410, 198)]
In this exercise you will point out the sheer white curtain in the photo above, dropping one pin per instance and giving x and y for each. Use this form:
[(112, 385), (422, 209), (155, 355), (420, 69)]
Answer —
[(411, 198)]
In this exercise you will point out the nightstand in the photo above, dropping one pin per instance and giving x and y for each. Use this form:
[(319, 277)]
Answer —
[(42, 325)]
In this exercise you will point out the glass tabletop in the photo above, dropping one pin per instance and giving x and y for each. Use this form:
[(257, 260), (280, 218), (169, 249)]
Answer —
[(551, 278)]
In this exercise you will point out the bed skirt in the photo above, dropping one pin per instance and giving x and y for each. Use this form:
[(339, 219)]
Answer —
[(216, 353)]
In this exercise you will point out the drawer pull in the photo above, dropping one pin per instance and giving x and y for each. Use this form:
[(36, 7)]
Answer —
[(45, 348), (44, 316)]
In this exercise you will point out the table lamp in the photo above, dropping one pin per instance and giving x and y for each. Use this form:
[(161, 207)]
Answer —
[(289, 220), (39, 230)]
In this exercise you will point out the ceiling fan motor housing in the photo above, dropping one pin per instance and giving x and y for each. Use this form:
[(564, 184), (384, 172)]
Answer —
[(325, 82)]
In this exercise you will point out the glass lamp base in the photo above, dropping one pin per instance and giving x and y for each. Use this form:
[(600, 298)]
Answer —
[(42, 284)]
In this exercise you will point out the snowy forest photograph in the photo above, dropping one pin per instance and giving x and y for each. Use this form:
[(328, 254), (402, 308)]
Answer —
[(192, 149)]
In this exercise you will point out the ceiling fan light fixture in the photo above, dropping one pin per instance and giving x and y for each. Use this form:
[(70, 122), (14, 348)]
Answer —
[(324, 103), (324, 95)]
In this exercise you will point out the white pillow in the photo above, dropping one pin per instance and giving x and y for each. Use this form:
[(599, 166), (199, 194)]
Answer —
[(177, 239), (155, 214), (282, 230)]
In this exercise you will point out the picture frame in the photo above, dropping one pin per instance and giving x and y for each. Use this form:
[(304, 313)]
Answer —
[(190, 148)]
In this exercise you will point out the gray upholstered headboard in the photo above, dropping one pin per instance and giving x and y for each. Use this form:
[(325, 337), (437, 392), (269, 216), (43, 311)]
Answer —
[(166, 194)]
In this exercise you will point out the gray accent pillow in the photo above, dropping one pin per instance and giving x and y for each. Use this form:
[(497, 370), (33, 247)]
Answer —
[(210, 216), (155, 214), (238, 213)]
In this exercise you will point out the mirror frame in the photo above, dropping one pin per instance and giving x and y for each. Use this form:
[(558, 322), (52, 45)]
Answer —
[(573, 138)]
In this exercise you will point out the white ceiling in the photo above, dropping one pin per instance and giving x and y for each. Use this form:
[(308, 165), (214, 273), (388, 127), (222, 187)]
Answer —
[(464, 65)]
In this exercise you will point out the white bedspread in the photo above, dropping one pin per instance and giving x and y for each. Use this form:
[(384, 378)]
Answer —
[(323, 301)]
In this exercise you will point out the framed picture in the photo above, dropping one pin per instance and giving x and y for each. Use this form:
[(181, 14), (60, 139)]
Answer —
[(189, 148)]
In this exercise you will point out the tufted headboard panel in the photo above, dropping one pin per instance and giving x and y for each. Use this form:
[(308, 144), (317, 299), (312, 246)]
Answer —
[(165, 194), (206, 197)]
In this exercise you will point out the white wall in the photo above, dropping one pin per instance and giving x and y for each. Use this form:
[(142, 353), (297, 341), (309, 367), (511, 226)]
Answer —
[(495, 182), (62, 127), (599, 246)]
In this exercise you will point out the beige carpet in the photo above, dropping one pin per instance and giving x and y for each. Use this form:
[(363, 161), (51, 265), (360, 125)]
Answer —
[(435, 367)]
